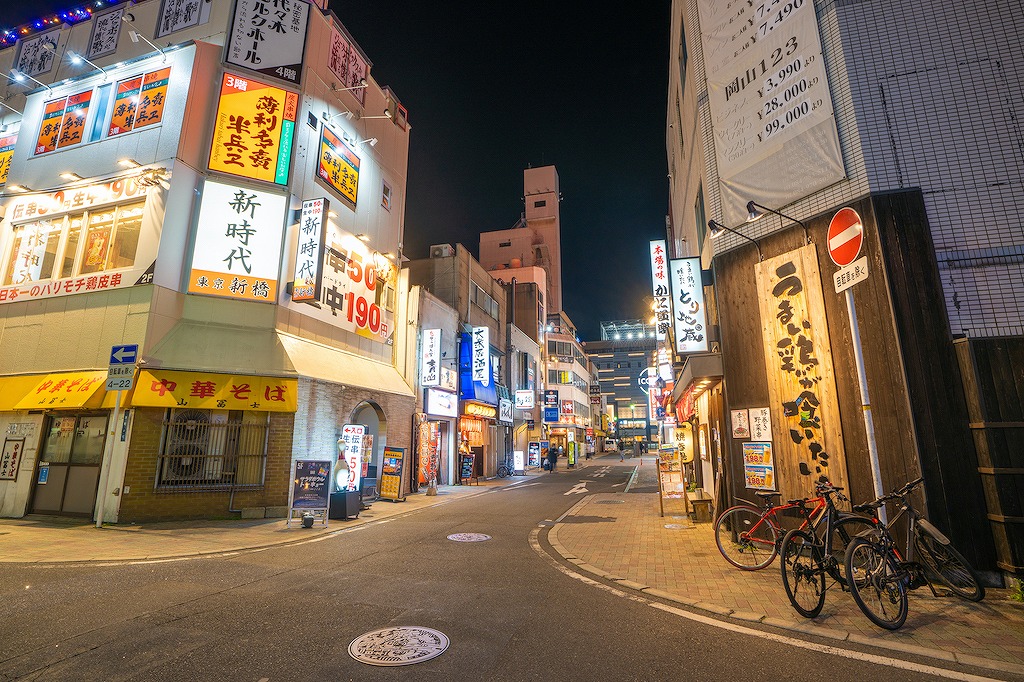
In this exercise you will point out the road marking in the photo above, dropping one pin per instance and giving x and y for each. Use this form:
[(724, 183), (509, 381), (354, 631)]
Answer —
[(578, 489)]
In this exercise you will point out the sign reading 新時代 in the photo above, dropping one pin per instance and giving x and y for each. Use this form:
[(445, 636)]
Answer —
[(309, 250)]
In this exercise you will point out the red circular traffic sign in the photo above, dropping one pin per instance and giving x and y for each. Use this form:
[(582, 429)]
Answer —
[(845, 237)]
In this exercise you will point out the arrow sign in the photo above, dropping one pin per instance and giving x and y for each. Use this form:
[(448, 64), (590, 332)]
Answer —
[(124, 355), (845, 236)]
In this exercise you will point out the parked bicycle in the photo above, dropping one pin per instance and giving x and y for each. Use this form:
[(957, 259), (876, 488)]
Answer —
[(506, 468), (882, 573), (811, 554), (749, 536)]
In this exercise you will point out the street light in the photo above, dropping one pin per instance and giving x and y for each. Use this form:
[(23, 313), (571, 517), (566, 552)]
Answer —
[(753, 214), (718, 228)]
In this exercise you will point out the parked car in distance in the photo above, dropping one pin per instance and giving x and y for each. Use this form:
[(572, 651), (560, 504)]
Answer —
[(611, 445)]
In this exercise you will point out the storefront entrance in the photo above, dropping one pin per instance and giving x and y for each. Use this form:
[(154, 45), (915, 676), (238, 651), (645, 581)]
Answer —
[(68, 472)]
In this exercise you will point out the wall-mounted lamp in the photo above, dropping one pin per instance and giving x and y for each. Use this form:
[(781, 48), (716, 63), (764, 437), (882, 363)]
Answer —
[(20, 76), (717, 229), (362, 84), (71, 177), (129, 163), (135, 36), (753, 214), (328, 118), (78, 59), (372, 141), (18, 188), (363, 237), (387, 114)]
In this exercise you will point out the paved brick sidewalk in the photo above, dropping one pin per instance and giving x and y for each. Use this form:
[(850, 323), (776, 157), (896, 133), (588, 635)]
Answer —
[(623, 536)]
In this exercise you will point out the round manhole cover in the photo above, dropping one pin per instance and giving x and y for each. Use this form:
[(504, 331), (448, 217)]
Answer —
[(610, 502), (403, 645), (468, 537)]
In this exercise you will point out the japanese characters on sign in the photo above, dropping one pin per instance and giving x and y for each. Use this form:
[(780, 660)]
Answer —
[(106, 29), (269, 36), (63, 123), (311, 484), (33, 57), (504, 410), (10, 458), (688, 315), (760, 424), (7, 143), (238, 243), (338, 167), (139, 101), (252, 134), (524, 400), (567, 407), (36, 206), (56, 391), (204, 391), (430, 358), (660, 288), (309, 250), (176, 15), (481, 353), (347, 63), (758, 466), (350, 446), (740, 423)]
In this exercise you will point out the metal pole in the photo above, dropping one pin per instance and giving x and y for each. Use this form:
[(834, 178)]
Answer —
[(865, 401), (108, 461)]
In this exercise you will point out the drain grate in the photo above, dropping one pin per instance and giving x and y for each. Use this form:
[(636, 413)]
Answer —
[(403, 645), (468, 537), (610, 502)]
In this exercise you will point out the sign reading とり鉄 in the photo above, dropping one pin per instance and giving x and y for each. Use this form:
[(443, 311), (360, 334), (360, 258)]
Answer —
[(662, 308), (688, 313), (237, 252), (309, 250), (252, 133), (269, 37)]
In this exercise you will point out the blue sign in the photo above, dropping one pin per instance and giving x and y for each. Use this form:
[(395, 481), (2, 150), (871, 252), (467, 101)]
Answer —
[(124, 355), (551, 414)]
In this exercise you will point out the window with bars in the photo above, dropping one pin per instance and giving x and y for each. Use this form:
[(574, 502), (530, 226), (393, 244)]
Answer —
[(213, 450)]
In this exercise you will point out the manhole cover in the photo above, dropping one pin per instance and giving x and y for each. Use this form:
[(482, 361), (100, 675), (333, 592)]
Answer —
[(468, 537), (610, 502), (403, 645)]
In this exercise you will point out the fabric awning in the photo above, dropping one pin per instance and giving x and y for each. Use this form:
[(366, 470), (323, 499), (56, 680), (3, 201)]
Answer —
[(317, 361), (210, 391), (63, 391), (14, 389)]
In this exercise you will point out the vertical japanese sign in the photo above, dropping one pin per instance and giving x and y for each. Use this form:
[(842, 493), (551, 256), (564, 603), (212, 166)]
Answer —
[(10, 458), (481, 338), (33, 58), (660, 288), (252, 134), (72, 127), (801, 383), (339, 167), (7, 143), (351, 448), (347, 63), (106, 29), (49, 127), (139, 101), (430, 358), (269, 36), (176, 15), (760, 424), (237, 250), (688, 316), (309, 250)]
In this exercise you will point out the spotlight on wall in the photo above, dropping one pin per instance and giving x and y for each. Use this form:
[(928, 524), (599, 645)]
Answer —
[(754, 214), (78, 59), (362, 84), (328, 118), (18, 188), (363, 237), (20, 76), (717, 229), (71, 177), (372, 141), (129, 163)]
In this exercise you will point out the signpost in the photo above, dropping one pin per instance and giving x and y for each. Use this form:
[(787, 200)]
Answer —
[(845, 238), (120, 377)]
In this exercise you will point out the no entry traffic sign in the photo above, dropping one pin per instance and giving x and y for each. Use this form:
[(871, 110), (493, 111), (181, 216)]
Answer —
[(845, 237)]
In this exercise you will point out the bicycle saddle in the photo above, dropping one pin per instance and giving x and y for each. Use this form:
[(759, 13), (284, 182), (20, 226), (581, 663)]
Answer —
[(766, 494)]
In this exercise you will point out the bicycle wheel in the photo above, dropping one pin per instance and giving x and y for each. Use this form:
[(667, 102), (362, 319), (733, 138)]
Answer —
[(843, 533), (877, 585), (745, 539), (502, 471), (949, 565), (802, 572)]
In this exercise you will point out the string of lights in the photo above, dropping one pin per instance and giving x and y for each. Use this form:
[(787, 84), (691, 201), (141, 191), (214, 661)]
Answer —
[(76, 15)]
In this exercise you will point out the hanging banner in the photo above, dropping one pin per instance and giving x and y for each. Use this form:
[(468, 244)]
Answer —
[(309, 250), (428, 445), (269, 37), (430, 358), (688, 315), (481, 338), (660, 289), (801, 381), (176, 15), (237, 250), (338, 166), (252, 133)]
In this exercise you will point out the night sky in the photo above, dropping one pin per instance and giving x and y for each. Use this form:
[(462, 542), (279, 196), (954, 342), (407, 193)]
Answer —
[(493, 88)]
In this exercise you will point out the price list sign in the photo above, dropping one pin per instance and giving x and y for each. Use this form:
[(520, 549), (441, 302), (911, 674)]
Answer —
[(774, 125)]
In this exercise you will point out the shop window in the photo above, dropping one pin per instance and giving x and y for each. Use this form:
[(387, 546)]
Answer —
[(33, 253), (213, 449), (540, 204)]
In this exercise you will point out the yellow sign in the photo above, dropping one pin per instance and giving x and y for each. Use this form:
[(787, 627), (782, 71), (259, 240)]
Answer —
[(389, 486), (252, 135), (49, 129), (67, 390), (200, 390), (339, 167), (7, 143)]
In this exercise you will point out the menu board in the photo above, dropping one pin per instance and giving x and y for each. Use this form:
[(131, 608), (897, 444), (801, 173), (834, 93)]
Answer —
[(391, 474), (311, 484), (467, 466)]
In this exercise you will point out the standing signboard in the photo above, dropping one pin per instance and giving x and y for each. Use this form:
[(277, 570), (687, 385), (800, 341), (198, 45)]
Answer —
[(467, 467), (310, 489), (391, 474), (350, 446), (533, 453)]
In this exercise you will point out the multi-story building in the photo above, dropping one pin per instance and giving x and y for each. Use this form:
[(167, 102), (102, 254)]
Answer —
[(889, 259), (623, 359), (567, 413), (230, 201)]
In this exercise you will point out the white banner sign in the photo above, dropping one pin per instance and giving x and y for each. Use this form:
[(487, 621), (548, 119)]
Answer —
[(309, 250), (441, 403), (774, 127), (106, 29), (430, 358), (760, 424), (525, 400), (688, 316), (269, 37), (482, 355), (352, 451), (659, 280)]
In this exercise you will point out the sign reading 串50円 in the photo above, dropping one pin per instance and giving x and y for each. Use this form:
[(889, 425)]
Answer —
[(252, 135)]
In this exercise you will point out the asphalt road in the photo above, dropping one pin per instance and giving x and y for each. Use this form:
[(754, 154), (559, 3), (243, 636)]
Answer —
[(510, 610)]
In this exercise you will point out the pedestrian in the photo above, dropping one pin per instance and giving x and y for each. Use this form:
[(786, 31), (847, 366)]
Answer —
[(552, 458)]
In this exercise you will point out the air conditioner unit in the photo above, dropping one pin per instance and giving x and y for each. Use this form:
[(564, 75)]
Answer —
[(192, 447), (442, 251)]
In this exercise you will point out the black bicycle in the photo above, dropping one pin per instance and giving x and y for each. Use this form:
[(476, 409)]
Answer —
[(882, 574), (811, 554), (506, 468)]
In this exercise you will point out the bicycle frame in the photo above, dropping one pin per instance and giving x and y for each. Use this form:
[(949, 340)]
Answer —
[(770, 514)]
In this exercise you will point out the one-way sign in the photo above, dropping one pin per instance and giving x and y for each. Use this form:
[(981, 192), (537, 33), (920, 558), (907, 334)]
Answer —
[(124, 355)]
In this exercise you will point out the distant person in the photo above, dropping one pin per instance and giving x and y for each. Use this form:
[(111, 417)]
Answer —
[(636, 448)]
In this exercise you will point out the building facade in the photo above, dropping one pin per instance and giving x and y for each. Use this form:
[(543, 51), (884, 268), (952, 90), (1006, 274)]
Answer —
[(624, 362)]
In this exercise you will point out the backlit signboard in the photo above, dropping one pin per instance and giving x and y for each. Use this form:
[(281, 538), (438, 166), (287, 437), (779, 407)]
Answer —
[(338, 166), (688, 316), (309, 250), (139, 101), (430, 358), (660, 288), (269, 37), (481, 337)]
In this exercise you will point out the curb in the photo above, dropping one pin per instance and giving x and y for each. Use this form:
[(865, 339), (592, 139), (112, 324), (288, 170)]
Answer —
[(805, 627)]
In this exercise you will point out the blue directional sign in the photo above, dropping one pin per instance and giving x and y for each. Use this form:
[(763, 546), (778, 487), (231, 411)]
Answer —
[(124, 355)]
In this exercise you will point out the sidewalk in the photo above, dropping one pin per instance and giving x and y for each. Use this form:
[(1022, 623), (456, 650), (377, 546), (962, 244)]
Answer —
[(52, 539), (623, 537)]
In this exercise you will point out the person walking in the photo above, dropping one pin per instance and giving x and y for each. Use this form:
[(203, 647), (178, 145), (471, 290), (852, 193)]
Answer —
[(552, 459)]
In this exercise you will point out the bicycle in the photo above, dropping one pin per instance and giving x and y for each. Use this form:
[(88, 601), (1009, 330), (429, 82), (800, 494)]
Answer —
[(883, 574), (811, 554), (749, 537), (506, 468)]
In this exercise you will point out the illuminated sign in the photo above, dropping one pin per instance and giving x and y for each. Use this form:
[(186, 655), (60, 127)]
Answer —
[(430, 358), (504, 410), (568, 407), (480, 410), (524, 400), (309, 250), (441, 403), (238, 243), (338, 167), (482, 355), (688, 316), (139, 102), (252, 134), (7, 143), (269, 37), (63, 123), (350, 447), (660, 288)]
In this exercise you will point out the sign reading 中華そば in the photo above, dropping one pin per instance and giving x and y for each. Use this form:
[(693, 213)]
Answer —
[(688, 314), (339, 167), (660, 288), (481, 339), (252, 134), (269, 37), (430, 358), (237, 252), (309, 250)]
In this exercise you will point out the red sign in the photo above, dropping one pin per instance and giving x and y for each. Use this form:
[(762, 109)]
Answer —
[(845, 236)]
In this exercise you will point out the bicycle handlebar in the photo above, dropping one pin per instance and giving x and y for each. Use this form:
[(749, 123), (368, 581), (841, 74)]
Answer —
[(897, 495)]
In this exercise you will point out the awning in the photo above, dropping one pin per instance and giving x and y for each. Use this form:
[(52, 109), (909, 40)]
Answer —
[(13, 389), (696, 368), (211, 391), (317, 361), (222, 348), (63, 391)]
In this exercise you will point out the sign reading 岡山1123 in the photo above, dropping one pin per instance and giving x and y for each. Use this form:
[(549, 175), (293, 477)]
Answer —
[(688, 316)]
